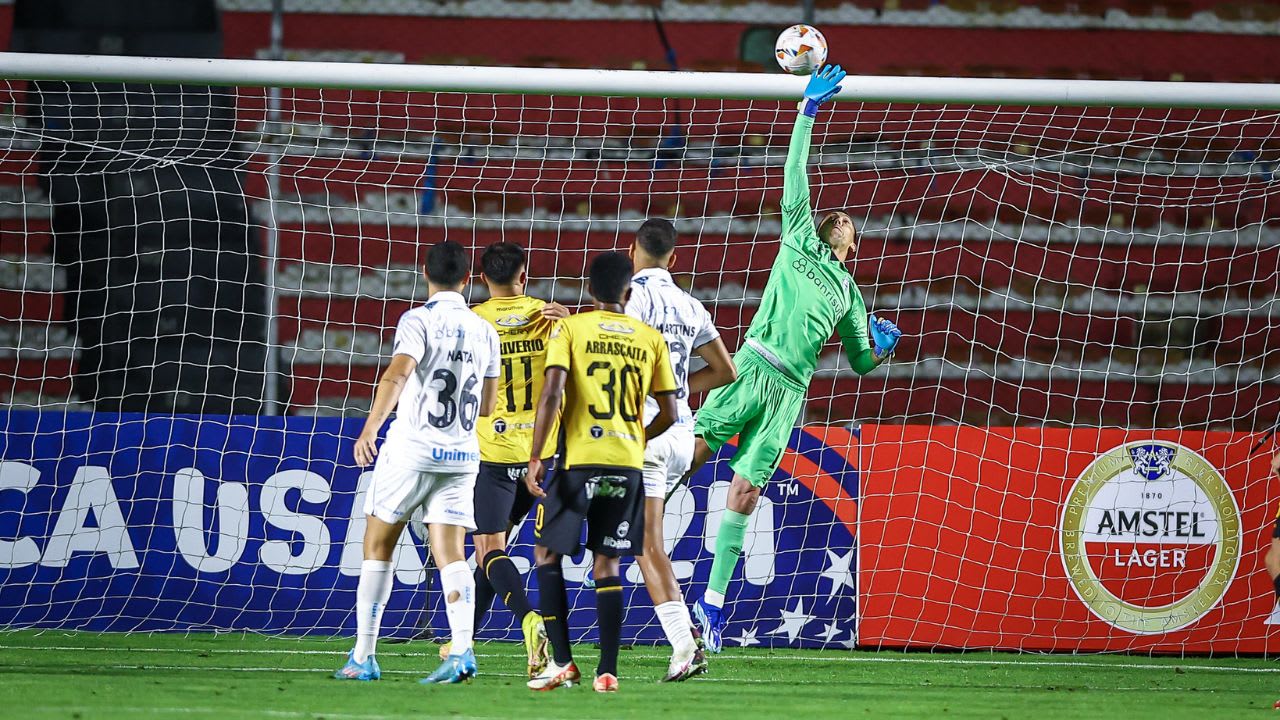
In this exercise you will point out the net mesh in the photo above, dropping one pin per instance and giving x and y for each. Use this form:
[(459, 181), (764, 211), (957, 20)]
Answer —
[(231, 255)]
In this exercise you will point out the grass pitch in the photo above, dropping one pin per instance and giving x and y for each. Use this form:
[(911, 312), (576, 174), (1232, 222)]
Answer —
[(54, 674)]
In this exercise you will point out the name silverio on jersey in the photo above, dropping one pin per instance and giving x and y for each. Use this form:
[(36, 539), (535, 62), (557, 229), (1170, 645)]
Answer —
[(521, 347)]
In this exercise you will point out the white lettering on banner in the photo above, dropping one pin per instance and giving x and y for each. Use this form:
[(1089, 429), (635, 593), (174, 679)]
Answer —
[(758, 548), (678, 516), (91, 492), (20, 551), (278, 554), (409, 566), (232, 507), (1151, 558)]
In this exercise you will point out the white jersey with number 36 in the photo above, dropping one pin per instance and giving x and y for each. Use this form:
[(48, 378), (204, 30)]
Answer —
[(435, 424), (684, 323)]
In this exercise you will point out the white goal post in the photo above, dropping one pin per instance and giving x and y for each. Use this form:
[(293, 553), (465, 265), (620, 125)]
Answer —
[(202, 261), (633, 83)]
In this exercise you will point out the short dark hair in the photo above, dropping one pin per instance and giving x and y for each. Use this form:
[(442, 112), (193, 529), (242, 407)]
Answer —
[(501, 262), (447, 263), (610, 276), (657, 236)]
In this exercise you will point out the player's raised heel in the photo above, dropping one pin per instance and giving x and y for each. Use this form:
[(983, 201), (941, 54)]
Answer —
[(535, 643), (455, 669), (683, 664), (710, 621), (606, 683), (555, 676), (367, 670)]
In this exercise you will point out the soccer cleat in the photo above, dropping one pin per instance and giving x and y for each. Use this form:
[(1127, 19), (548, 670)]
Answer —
[(535, 643), (606, 683), (455, 669), (554, 676), (367, 670), (700, 666), (682, 665), (711, 621)]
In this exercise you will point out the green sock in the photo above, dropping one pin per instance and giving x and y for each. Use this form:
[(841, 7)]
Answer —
[(733, 530)]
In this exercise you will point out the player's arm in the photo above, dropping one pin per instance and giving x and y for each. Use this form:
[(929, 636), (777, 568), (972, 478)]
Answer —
[(489, 393), (798, 230), (668, 413), (857, 337), (663, 388), (554, 311), (409, 347), (547, 408), (720, 369), (556, 376), (384, 401)]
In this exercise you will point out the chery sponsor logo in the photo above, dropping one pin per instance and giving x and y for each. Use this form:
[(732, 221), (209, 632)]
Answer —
[(1150, 537)]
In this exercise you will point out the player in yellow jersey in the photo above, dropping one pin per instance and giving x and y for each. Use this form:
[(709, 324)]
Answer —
[(602, 364), (501, 499)]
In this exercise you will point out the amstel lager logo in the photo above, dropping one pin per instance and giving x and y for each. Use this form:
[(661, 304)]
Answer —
[(1150, 537)]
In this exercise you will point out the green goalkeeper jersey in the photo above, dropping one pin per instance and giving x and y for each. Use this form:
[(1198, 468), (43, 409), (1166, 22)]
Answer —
[(810, 293)]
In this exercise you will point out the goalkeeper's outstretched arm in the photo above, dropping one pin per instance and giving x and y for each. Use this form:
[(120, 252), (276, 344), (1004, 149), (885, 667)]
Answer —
[(798, 230)]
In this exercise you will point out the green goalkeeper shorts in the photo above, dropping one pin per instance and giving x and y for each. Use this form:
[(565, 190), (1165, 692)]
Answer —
[(761, 408)]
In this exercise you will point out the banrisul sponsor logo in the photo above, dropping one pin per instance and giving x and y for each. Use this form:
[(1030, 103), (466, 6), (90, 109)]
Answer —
[(1150, 537)]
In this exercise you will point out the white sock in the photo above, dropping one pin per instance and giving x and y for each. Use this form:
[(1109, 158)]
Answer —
[(713, 598), (456, 577), (675, 620), (371, 598)]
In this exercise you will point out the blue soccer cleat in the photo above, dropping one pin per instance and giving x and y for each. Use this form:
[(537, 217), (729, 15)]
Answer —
[(367, 670), (454, 669), (710, 620)]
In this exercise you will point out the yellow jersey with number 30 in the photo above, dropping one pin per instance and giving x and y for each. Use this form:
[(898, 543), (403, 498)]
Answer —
[(614, 361), (522, 336)]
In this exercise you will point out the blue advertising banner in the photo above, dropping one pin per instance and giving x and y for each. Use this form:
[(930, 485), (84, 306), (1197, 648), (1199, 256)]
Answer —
[(129, 522)]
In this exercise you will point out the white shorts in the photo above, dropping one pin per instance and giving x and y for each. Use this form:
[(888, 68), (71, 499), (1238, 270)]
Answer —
[(666, 459), (446, 498)]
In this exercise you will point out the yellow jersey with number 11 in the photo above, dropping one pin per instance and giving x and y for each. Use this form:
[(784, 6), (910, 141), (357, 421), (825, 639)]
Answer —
[(507, 436), (614, 361)]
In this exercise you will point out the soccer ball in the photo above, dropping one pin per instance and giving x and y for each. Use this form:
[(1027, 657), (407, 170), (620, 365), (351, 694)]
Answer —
[(801, 49)]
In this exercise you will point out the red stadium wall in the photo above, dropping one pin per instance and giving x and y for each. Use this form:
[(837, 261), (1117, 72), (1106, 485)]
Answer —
[(870, 50), (961, 544)]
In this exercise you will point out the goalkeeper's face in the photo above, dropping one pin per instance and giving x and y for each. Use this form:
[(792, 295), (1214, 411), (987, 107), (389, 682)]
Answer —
[(837, 230)]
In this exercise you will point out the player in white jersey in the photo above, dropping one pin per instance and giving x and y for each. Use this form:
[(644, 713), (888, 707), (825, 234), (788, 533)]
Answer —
[(443, 375), (689, 330)]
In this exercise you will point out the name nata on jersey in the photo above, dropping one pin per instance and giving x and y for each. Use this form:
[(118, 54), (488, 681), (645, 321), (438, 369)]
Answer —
[(455, 351)]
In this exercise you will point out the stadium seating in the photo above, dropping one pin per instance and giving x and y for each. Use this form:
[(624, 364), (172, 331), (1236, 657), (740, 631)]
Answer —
[(1005, 310)]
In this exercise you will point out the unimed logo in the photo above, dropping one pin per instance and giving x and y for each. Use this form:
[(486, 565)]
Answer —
[(1150, 537)]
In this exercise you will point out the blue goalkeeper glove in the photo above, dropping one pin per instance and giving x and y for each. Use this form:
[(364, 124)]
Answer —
[(885, 334), (823, 85)]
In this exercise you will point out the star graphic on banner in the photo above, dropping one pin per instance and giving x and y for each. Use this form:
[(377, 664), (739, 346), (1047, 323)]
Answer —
[(839, 573), (747, 638), (852, 642), (793, 621), (829, 632)]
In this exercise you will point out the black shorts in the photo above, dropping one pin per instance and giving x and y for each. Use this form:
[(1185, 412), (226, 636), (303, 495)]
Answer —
[(501, 499), (609, 499)]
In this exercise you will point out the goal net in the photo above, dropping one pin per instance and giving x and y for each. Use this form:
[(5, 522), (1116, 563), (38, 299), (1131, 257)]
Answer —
[(199, 284)]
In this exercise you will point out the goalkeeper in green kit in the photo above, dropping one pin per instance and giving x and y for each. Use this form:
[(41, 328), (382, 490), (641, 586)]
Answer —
[(809, 294)]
